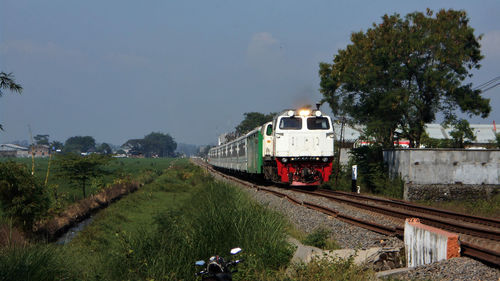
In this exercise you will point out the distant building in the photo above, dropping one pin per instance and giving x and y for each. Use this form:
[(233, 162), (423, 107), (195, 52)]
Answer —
[(40, 150), (12, 150), (485, 134), (485, 137)]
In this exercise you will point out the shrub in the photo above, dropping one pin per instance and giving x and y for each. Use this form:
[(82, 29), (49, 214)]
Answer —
[(373, 172), (39, 262), (330, 269), (320, 238), (22, 196), (215, 219)]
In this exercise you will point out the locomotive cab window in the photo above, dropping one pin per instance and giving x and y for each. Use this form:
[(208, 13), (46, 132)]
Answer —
[(318, 123), (269, 130), (290, 123)]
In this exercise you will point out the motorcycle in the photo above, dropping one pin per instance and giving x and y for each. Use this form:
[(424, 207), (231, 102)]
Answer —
[(217, 269)]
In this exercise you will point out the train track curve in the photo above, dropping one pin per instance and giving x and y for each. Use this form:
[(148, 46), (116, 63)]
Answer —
[(479, 236)]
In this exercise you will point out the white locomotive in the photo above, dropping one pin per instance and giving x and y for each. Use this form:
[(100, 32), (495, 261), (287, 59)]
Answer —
[(295, 148)]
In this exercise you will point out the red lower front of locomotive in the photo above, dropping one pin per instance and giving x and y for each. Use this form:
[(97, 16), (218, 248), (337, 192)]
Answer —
[(304, 173)]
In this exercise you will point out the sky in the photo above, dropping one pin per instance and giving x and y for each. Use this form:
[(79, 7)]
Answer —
[(118, 70)]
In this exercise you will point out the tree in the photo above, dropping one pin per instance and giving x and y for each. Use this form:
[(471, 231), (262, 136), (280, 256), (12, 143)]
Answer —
[(42, 139), (153, 145), (7, 83), (462, 133), (79, 144), (56, 145), (159, 144), (400, 73), (252, 120), (80, 169), (22, 196), (104, 148)]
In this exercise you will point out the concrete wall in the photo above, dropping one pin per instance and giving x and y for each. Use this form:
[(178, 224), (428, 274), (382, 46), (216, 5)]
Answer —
[(442, 172), (425, 244), (344, 156)]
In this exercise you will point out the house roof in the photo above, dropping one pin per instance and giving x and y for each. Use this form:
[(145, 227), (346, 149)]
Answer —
[(485, 133), (11, 147)]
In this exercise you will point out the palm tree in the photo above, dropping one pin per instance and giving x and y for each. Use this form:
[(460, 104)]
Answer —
[(7, 83)]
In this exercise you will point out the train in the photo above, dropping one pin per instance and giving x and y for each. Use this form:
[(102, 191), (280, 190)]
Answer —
[(296, 148)]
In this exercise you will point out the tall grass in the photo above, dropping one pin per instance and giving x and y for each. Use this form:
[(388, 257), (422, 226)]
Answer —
[(35, 262), (218, 217)]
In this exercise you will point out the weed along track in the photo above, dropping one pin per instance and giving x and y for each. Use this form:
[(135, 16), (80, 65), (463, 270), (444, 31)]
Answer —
[(479, 236)]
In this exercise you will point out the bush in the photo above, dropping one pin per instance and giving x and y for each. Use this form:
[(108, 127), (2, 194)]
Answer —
[(373, 173), (40, 262), (217, 218), (320, 238), (22, 196), (330, 269)]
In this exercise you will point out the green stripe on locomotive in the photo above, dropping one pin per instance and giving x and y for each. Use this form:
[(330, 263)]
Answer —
[(254, 153)]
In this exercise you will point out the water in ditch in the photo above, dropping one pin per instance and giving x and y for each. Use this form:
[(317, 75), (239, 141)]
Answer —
[(72, 232)]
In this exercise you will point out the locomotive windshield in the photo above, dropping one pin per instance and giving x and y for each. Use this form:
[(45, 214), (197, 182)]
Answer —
[(290, 123), (318, 123)]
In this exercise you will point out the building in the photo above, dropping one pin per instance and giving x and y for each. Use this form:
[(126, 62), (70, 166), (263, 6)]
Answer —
[(12, 150), (40, 150)]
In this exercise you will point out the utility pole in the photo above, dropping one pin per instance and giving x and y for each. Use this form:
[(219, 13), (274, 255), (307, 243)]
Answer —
[(32, 152), (341, 140)]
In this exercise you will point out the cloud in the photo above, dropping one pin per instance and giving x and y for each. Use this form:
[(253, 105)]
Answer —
[(265, 53), (48, 49), (54, 52), (490, 43)]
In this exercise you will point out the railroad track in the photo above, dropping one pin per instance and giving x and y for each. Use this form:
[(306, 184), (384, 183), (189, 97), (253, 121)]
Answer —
[(479, 236)]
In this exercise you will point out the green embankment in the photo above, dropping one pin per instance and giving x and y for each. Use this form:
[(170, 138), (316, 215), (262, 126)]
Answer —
[(118, 168), (159, 231)]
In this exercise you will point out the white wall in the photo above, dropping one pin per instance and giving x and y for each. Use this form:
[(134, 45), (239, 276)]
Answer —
[(444, 166)]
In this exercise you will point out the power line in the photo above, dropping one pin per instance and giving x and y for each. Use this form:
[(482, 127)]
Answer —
[(488, 83), (482, 91)]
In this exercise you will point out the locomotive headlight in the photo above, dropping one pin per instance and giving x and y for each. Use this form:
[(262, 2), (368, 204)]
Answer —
[(304, 112), (317, 113), (324, 159), (290, 113), (284, 160)]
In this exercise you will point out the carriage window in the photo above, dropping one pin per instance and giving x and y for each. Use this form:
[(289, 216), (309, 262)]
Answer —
[(291, 123), (318, 123), (269, 130)]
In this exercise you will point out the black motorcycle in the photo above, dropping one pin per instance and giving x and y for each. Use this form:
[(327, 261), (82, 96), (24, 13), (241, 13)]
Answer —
[(217, 269)]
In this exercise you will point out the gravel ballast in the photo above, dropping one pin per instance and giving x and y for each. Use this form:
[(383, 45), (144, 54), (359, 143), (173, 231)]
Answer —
[(353, 237)]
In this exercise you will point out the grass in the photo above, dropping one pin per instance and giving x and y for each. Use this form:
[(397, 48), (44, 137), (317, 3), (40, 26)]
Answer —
[(35, 262), (159, 231), (142, 170), (478, 207), (321, 238)]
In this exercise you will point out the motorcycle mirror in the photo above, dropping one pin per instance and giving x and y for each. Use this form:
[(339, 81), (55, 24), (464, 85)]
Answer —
[(200, 263), (234, 251)]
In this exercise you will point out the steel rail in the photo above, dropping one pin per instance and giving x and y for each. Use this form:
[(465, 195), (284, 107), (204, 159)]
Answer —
[(480, 253), (467, 249), (419, 208), (424, 218)]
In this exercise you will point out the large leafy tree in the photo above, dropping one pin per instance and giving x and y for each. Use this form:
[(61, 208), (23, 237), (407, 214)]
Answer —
[(252, 120), (22, 196), (400, 73), (80, 169), (159, 144), (7, 83), (42, 139), (462, 133), (154, 144), (79, 144)]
